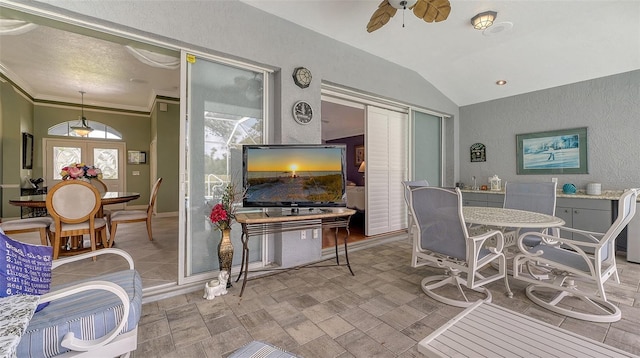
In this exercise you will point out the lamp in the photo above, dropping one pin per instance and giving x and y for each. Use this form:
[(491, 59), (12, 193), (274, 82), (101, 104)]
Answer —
[(83, 129), (362, 167), (483, 20)]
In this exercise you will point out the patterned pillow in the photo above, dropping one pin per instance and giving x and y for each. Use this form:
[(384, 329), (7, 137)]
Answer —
[(24, 268)]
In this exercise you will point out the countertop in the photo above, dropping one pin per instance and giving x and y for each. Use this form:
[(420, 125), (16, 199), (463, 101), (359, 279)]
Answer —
[(580, 194)]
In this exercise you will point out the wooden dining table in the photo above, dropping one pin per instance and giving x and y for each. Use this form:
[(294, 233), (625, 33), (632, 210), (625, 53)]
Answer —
[(108, 198)]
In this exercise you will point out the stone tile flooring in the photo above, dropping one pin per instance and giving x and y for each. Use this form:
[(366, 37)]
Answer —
[(326, 312)]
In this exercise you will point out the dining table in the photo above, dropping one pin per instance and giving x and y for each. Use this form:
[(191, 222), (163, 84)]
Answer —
[(40, 202), (509, 218), (108, 198)]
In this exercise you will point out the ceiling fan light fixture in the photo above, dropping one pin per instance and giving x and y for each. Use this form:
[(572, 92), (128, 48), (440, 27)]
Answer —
[(83, 129), (483, 20), (402, 4)]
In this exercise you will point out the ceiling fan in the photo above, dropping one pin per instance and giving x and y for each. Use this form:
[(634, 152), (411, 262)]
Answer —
[(428, 10)]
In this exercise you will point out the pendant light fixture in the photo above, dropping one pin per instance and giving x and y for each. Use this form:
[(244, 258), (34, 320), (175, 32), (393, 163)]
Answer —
[(83, 129)]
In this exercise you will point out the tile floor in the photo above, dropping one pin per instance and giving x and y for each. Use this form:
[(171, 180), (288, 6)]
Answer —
[(323, 312), (326, 312)]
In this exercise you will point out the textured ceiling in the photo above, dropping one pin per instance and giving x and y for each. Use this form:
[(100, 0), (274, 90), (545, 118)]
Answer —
[(533, 45)]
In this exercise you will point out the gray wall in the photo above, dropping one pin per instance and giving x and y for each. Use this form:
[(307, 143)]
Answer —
[(609, 107), (234, 29)]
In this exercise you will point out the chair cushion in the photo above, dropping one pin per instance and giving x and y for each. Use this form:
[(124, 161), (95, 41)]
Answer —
[(259, 349), (89, 315), (98, 223), (123, 215), (24, 268), (31, 223)]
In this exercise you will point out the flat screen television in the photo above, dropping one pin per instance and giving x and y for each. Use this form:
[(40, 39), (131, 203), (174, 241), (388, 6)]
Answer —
[(294, 176)]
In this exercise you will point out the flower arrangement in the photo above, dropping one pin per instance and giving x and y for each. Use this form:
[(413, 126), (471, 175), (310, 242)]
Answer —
[(223, 213), (80, 171)]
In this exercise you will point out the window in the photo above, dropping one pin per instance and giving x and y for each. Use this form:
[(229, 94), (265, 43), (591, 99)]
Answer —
[(100, 130)]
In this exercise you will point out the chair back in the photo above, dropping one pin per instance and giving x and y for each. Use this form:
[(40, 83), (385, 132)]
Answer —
[(100, 185), (538, 197), (438, 215), (626, 211), (408, 184), (73, 201), (154, 195)]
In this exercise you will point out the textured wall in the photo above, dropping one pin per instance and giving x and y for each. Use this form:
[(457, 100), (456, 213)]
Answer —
[(235, 29), (609, 107)]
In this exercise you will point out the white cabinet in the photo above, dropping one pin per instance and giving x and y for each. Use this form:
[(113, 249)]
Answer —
[(584, 214), (482, 199)]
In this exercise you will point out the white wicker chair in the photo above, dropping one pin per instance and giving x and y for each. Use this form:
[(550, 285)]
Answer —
[(445, 242), (566, 261)]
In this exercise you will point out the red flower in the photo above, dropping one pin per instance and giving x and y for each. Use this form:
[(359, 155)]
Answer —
[(219, 216)]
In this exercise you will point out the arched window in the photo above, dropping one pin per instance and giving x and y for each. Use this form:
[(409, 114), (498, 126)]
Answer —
[(100, 130)]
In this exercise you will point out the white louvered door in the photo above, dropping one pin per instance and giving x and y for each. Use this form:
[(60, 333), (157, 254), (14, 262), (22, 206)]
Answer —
[(386, 158)]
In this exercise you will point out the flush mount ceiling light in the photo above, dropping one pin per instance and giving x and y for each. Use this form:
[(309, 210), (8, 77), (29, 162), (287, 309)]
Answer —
[(83, 129), (501, 82), (483, 20)]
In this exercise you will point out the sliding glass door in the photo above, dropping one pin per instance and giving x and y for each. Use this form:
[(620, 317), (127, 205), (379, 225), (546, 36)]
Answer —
[(426, 151), (224, 108)]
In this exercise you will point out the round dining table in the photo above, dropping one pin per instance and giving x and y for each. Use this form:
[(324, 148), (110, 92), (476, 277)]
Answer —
[(108, 198), (502, 217)]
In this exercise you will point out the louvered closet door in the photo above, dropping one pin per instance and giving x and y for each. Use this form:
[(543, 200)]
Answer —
[(386, 158)]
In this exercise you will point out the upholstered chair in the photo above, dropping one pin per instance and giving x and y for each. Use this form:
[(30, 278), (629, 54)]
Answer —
[(133, 216)]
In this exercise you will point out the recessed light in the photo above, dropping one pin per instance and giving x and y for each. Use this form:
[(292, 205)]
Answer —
[(501, 82)]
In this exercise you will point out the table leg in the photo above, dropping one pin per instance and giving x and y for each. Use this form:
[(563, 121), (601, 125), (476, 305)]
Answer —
[(346, 252), (335, 240), (245, 258)]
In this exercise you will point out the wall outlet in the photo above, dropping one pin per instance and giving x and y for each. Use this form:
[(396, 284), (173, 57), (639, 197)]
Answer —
[(316, 233), (135, 172), (303, 235), (554, 180)]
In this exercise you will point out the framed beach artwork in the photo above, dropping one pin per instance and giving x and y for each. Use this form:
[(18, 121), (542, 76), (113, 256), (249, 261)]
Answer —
[(553, 152)]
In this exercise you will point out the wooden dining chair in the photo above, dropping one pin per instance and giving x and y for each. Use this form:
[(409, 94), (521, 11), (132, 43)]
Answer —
[(102, 188), (132, 216), (73, 205), (39, 225)]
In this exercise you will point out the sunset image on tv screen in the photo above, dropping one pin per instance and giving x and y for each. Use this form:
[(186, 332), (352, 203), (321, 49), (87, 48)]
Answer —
[(294, 174)]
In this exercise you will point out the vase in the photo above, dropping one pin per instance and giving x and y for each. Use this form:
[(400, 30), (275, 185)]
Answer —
[(225, 253)]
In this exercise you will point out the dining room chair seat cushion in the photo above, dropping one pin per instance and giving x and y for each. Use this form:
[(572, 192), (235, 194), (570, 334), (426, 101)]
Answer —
[(98, 223), (124, 215), (24, 268), (88, 314), (25, 224)]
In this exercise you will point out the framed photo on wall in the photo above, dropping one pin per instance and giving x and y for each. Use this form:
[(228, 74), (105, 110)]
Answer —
[(359, 155), (27, 151), (136, 157), (553, 152)]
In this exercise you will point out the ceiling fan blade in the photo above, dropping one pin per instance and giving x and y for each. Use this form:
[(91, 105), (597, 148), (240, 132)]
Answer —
[(381, 16), (432, 10)]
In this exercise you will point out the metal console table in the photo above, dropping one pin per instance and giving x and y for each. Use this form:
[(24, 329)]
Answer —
[(273, 222)]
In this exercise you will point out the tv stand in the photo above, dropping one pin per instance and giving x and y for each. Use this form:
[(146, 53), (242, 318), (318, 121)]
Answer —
[(269, 222)]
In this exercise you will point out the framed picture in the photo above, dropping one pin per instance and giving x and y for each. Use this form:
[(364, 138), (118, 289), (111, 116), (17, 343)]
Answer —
[(554, 152), (136, 157), (359, 155), (27, 151)]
